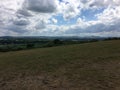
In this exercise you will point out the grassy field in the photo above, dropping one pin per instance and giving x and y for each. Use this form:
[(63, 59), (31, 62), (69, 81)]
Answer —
[(90, 66)]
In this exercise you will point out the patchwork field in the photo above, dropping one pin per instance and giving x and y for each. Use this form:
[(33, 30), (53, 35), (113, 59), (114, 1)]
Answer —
[(89, 66)]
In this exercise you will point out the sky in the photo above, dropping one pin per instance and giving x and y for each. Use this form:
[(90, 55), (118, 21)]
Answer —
[(60, 18)]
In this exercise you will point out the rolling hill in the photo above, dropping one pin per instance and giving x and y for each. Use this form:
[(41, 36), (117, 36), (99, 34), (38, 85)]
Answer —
[(89, 66)]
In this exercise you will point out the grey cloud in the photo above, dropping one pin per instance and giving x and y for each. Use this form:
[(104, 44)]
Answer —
[(19, 30), (15, 28), (43, 6), (104, 28), (21, 22), (24, 12), (97, 28), (84, 1), (41, 25)]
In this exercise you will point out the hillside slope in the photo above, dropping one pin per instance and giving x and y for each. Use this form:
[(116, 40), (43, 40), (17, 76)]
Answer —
[(90, 66)]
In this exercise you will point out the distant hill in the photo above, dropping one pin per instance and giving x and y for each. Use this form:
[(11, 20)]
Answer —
[(59, 37)]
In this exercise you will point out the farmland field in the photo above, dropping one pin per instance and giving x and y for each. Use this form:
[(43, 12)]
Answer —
[(89, 66)]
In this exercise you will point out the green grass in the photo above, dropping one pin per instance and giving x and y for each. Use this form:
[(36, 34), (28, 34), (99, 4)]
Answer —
[(90, 66)]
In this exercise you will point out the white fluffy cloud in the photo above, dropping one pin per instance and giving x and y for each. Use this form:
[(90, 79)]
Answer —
[(70, 8), (54, 20), (110, 14)]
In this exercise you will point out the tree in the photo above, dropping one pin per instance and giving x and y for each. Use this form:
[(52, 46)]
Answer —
[(57, 41), (30, 45)]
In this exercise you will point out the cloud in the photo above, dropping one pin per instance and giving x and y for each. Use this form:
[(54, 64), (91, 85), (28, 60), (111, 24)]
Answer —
[(70, 8), (24, 12), (40, 25), (21, 22), (98, 28), (109, 15), (42, 6), (54, 20), (41, 17)]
